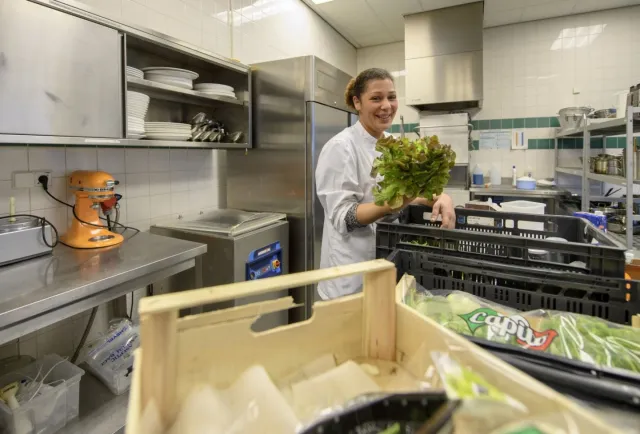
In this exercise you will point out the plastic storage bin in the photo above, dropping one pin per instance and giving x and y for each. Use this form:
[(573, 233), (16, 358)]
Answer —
[(615, 300), (498, 243), (524, 207), (51, 410)]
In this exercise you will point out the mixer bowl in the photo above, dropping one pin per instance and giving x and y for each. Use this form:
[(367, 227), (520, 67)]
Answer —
[(572, 117)]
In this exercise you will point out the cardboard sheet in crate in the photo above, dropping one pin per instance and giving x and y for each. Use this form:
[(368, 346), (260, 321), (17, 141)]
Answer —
[(178, 355)]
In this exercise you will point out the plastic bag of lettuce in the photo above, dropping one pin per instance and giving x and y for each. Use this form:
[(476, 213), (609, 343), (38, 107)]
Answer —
[(574, 336)]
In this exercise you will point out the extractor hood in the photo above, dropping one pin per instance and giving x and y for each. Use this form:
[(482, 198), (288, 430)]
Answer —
[(443, 58)]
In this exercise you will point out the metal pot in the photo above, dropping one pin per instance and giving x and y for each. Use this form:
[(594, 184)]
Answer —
[(573, 117), (600, 164), (614, 166)]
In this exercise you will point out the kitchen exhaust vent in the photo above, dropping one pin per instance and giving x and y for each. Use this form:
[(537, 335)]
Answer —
[(443, 58)]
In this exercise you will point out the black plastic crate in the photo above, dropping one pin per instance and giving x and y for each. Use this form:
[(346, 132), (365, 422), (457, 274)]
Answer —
[(505, 242), (522, 288)]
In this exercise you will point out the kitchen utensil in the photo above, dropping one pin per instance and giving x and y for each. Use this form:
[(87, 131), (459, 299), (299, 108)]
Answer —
[(215, 135), (614, 166), (526, 183), (545, 183), (91, 188), (235, 137), (573, 117), (171, 72), (611, 191), (171, 81), (604, 114), (134, 72), (212, 86), (600, 163)]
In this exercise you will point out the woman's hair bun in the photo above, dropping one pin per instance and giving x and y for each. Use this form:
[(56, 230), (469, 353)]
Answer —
[(348, 93)]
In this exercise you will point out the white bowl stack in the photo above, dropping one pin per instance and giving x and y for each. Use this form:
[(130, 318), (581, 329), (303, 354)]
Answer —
[(216, 89), (167, 131), (177, 77), (134, 72), (137, 106)]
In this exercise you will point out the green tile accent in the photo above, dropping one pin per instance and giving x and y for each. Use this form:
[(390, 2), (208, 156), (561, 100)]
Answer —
[(612, 142), (579, 143), (554, 122), (485, 125), (532, 143), (395, 128), (550, 143), (496, 124), (531, 123), (596, 143), (622, 142), (518, 123), (475, 124), (544, 122), (476, 145), (507, 124)]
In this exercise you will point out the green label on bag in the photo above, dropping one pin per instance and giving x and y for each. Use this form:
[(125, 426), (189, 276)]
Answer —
[(527, 430), (516, 326)]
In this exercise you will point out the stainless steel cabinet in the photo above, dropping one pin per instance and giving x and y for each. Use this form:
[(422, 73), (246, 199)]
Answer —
[(59, 75)]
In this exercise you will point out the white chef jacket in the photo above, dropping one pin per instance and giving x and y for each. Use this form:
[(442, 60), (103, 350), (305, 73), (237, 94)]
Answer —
[(343, 180)]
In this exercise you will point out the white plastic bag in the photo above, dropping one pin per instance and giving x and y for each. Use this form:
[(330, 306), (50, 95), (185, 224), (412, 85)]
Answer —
[(110, 357)]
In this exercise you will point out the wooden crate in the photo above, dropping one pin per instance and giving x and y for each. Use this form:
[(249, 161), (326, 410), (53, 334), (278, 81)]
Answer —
[(216, 347)]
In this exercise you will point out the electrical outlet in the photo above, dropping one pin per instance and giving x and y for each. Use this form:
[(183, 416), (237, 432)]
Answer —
[(37, 175), (29, 179)]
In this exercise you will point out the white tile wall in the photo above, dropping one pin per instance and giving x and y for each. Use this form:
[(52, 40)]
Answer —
[(534, 69), (251, 31), (147, 178)]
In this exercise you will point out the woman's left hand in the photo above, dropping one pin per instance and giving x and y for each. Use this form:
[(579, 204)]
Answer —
[(443, 206)]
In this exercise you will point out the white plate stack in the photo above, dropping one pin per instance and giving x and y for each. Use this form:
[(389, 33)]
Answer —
[(181, 78), (215, 89), (167, 131), (137, 106), (134, 72)]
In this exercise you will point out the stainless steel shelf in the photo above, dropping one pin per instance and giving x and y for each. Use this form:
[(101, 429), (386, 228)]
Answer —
[(611, 179), (613, 127), (172, 93), (577, 171), (19, 139), (101, 412)]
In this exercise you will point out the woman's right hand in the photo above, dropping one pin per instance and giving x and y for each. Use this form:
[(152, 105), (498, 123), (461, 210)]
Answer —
[(405, 203)]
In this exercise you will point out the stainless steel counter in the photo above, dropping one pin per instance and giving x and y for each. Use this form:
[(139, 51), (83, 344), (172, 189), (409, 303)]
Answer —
[(43, 291), (509, 191), (550, 196)]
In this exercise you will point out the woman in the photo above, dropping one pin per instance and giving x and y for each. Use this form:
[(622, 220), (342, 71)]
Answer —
[(345, 187)]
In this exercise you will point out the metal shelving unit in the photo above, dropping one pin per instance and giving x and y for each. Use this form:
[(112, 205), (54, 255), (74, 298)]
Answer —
[(176, 94), (613, 127)]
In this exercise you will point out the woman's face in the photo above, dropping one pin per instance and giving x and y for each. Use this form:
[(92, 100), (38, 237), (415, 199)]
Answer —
[(377, 106)]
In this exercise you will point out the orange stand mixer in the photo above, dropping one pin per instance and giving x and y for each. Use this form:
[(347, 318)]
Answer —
[(91, 189)]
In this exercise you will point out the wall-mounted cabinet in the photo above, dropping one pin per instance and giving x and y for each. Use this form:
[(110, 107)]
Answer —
[(59, 75), (63, 80)]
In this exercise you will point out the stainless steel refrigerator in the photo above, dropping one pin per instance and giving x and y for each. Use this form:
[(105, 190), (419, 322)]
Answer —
[(297, 106)]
